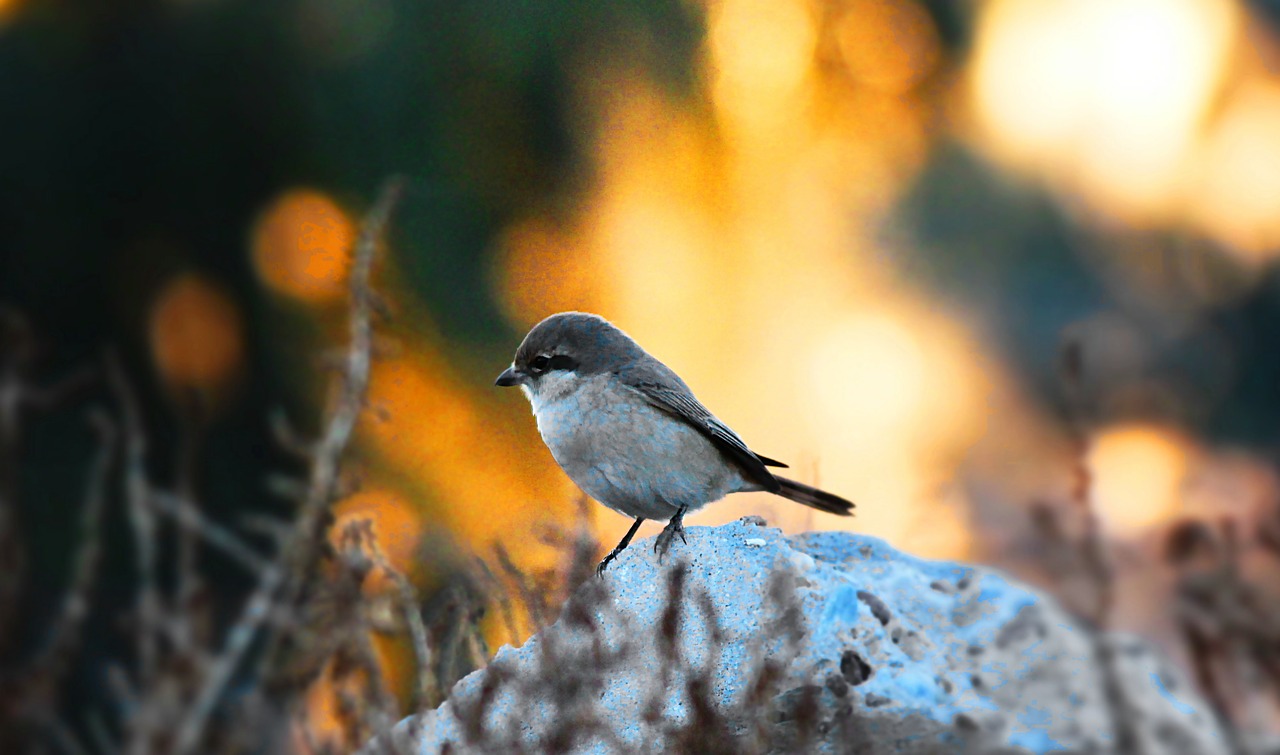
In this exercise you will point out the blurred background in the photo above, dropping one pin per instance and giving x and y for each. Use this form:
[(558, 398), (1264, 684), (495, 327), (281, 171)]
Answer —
[(863, 231)]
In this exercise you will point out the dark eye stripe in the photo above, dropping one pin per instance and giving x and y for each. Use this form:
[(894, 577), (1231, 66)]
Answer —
[(561, 362)]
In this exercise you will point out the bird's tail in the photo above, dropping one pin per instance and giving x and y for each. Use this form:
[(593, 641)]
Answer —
[(812, 497)]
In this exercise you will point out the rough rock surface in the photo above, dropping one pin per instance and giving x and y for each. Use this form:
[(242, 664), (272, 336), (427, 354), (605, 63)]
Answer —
[(885, 654)]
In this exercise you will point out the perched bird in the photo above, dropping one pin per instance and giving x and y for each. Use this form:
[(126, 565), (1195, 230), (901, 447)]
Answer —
[(629, 432)]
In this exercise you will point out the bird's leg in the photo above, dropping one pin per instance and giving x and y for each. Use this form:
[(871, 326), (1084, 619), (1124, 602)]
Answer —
[(673, 528), (626, 540)]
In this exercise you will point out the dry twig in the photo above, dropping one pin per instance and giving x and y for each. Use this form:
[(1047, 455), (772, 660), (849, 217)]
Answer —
[(282, 582), (426, 689), (33, 688), (1094, 555)]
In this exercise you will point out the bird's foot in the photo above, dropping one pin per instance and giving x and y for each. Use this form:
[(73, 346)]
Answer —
[(626, 540), (674, 527), (601, 566)]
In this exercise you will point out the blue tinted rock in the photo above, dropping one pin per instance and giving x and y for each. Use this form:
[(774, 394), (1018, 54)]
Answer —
[(874, 647)]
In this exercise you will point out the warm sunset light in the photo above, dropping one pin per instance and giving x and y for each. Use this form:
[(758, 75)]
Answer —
[(1139, 473), (994, 283), (1104, 95), (882, 394), (752, 278), (485, 487), (396, 525), (889, 45), (761, 53), (323, 724), (1238, 196), (196, 336), (301, 246), (870, 379), (541, 271)]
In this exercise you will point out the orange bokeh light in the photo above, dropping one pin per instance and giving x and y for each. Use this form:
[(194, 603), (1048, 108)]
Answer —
[(301, 246), (396, 527), (1139, 472), (196, 336), (436, 430), (726, 264), (860, 397), (890, 45), (325, 724), (541, 271), (484, 476), (1238, 194), (761, 54), (1105, 96)]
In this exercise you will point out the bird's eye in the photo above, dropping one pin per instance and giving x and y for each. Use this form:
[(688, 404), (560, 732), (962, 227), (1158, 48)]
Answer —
[(540, 362)]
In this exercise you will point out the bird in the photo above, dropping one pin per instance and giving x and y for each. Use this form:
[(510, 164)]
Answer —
[(631, 434)]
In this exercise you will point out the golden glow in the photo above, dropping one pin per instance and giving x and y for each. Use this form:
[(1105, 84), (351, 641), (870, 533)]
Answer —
[(196, 336), (1238, 195), (1026, 86), (761, 52), (751, 273), (1107, 95), (302, 246), (1138, 476), (657, 256), (738, 241), (540, 272), (436, 431), (485, 476), (889, 45), (324, 724), (396, 526), (724, 273), (869, 379), (884, 391)]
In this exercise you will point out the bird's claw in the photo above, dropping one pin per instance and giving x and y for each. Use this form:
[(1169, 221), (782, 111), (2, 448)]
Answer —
[(662, 543), (600, 567)]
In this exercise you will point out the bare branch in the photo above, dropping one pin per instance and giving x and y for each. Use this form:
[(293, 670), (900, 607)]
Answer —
[(426, 691), (20, 396), (283, 579), (353, 386), (288, 437), (136, 490), (188, 517), (1094, 552), (37, 681), (75, 605)]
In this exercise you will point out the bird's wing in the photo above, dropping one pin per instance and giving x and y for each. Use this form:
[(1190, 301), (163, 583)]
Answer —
[(684, 406)]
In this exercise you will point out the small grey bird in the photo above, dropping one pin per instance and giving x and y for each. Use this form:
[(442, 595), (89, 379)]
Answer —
[(629, 432)]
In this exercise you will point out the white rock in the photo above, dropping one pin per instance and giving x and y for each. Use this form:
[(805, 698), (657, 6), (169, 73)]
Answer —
[(900, 654)]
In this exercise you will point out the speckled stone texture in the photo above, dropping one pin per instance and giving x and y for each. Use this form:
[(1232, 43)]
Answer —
[(921, 656)]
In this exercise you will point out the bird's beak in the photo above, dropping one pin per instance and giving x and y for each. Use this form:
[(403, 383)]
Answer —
[(509, 377)]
